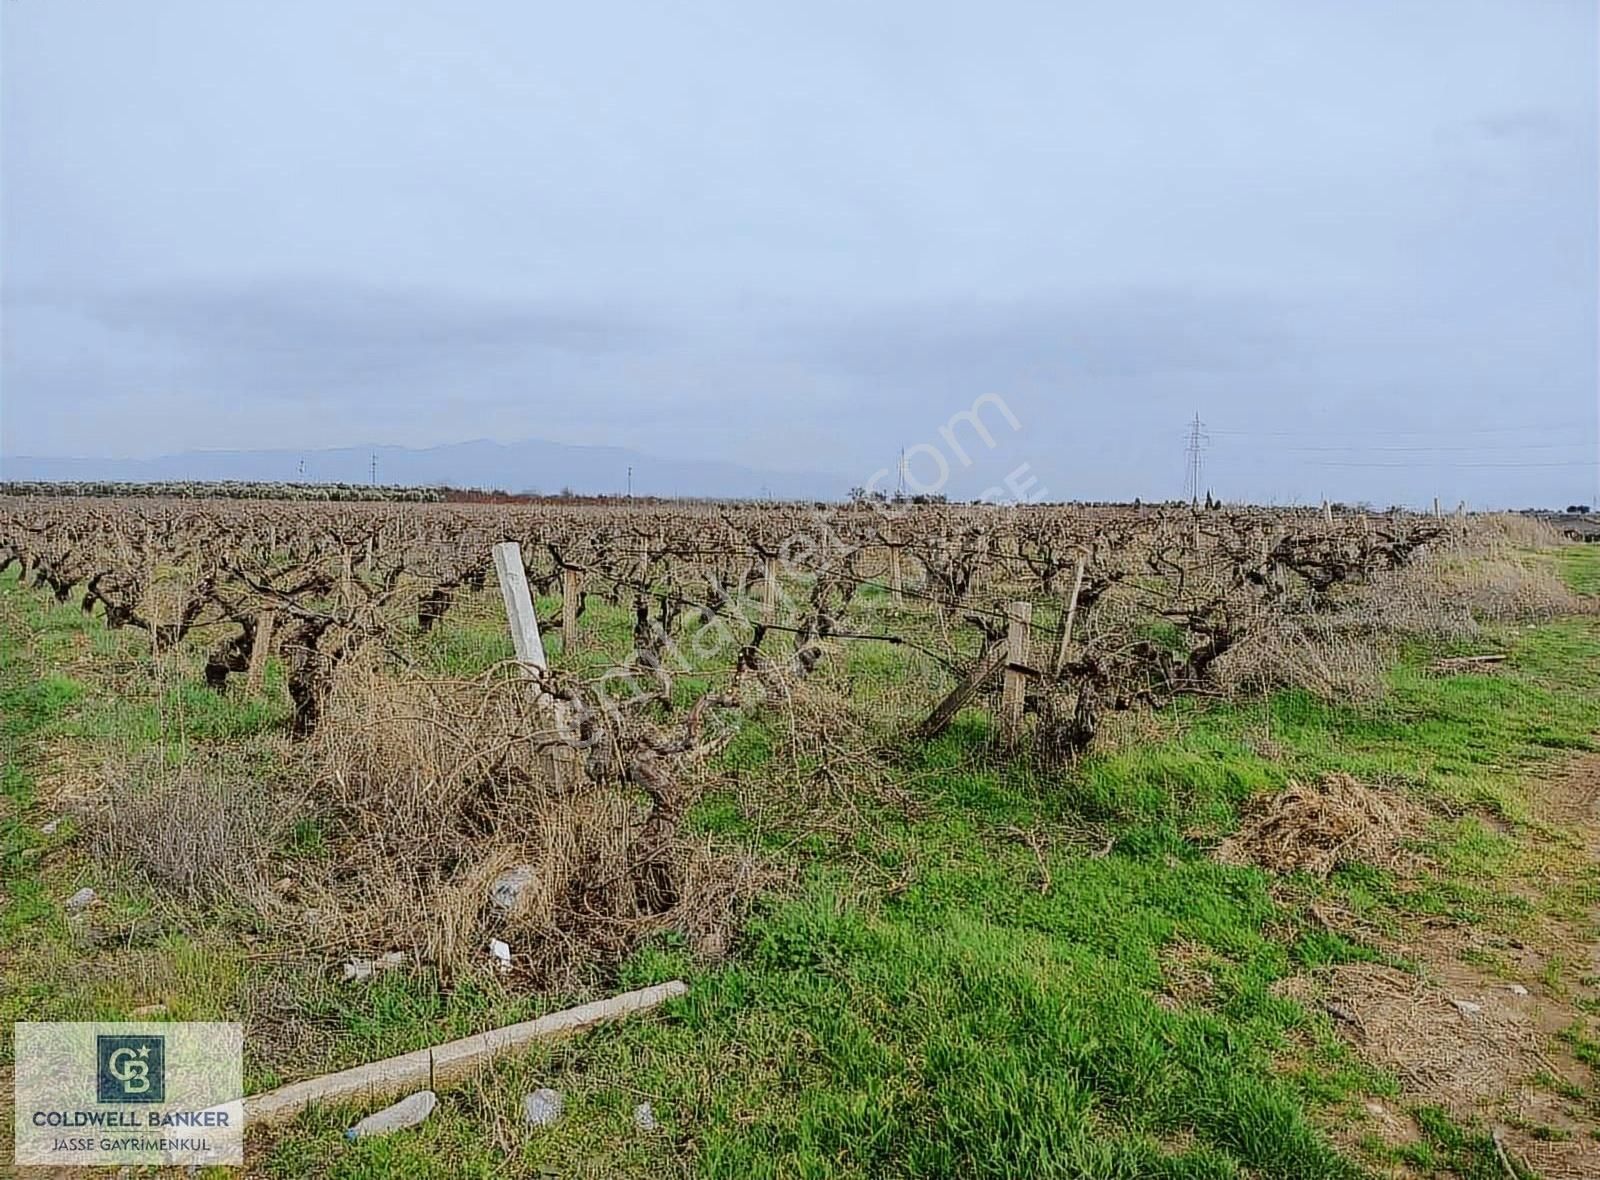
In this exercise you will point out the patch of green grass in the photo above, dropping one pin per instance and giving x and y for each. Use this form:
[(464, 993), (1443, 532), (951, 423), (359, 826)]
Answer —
[(306, 838), (1580, 567), (1467, 1153), (1584, 1047)]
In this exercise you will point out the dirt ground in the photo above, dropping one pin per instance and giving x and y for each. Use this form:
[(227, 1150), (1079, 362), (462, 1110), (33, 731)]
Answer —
[(1492, 1025)]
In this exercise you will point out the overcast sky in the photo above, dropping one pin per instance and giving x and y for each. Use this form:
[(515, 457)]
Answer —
[(1359, 239)]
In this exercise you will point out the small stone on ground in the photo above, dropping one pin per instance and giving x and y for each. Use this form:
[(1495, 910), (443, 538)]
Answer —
[(542, 1107)]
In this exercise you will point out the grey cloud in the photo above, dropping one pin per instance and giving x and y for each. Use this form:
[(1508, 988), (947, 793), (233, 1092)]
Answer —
[(330, 318), (804, 235), (1532, 124)]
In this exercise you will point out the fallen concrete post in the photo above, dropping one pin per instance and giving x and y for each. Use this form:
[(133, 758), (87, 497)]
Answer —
[(433, 1068)]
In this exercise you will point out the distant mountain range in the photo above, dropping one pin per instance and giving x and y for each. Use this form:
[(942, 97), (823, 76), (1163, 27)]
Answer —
[(532, 466)]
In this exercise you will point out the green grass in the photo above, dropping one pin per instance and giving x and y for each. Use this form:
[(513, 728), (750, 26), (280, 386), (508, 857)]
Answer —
[(1580, 566), (971, 976), (960, 1021)]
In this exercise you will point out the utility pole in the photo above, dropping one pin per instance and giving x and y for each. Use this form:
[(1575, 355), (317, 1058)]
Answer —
[(1194, 475), (302, 469), (630, 481), (374, 469)]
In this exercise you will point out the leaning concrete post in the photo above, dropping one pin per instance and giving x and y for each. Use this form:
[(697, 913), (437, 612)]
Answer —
[(519, 604)]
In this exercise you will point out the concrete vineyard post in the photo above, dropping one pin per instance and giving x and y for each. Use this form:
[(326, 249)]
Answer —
[(449, 1064), (519, 604), (1013, 692), (896, 586)]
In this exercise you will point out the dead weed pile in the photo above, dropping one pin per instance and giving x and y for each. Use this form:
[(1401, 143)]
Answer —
[(457, 815), (1314, 829)]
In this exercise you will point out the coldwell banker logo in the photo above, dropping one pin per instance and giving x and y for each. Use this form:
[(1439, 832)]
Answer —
[(142, 1093), (131, 1069)]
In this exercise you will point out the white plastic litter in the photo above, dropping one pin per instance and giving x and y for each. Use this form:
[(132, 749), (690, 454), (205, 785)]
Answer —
[(644, 1117), (542, 1107), (408, 1112), (501, 953), (359, 968)]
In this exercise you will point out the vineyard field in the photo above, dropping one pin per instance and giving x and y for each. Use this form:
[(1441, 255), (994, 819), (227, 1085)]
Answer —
[(1039, 840)]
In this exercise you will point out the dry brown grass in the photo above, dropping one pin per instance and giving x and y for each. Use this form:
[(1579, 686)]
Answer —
[(1504, 590), (1313, 829), (1513, 530), (433, 789), (1188, 974), (201, 828), (1463, 1042), (1447, 596), (1312, 654), (1411, 601)]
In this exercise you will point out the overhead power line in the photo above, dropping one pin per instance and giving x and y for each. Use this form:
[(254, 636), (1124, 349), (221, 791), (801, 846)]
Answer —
[(1423, 448), (1450, 463), (1381, 432)]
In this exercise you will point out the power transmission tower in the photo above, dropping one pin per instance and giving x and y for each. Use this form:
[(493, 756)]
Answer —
[(900, 483), (1194, 475)]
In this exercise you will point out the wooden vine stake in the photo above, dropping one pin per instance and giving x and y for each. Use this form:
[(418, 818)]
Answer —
[(260, 650), (1066, 626), (1014, 689), (945, 711), (769, 591), (571, 591)]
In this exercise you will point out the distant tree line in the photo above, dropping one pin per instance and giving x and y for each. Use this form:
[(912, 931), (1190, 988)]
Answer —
[(228, 489)]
